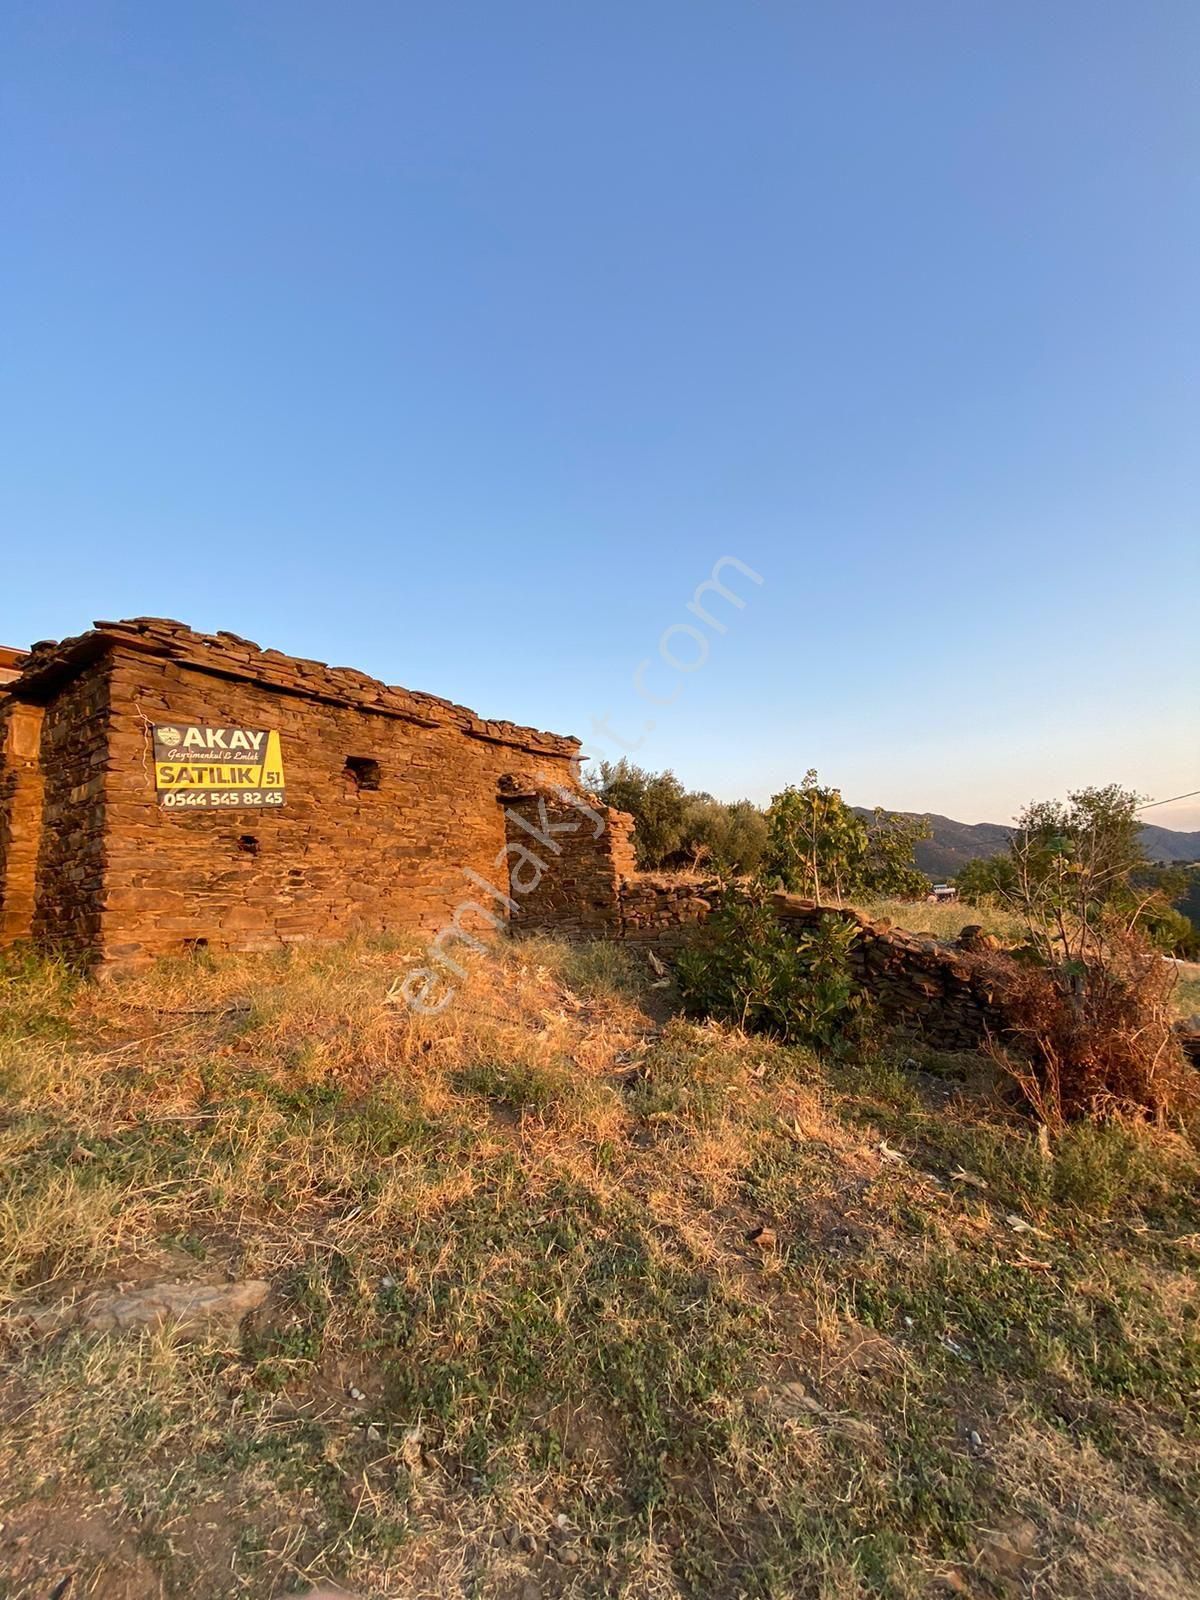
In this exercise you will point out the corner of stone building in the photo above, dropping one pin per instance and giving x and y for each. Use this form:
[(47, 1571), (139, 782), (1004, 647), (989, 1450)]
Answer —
[(21, 795), (68, 908), (568, 855)]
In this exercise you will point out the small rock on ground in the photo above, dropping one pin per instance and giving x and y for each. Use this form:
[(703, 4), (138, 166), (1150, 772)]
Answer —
[(191, 1308)]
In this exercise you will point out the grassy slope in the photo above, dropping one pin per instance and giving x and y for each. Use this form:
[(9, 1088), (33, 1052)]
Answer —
[(519, 1230)]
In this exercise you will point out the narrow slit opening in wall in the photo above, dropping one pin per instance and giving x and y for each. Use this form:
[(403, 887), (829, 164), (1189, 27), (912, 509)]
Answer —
[(364, 771), (191, 945)]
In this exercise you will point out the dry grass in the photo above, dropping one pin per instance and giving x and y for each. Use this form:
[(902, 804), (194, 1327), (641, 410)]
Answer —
[(519, 1232), (1186, 996), (944, 921)]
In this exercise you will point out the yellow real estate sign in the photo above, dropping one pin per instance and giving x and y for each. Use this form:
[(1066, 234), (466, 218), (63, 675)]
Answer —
[(201, 768)]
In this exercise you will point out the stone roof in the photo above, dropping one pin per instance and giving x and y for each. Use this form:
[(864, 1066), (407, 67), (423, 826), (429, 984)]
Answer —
[(226, 655)]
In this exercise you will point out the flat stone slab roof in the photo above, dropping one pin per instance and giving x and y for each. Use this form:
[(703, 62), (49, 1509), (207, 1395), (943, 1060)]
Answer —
[(226, 655)]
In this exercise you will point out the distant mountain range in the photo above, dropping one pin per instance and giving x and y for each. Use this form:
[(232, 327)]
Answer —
[(955, 843)]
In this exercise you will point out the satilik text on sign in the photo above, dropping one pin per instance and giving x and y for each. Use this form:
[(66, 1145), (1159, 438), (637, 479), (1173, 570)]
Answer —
[(202, 768)]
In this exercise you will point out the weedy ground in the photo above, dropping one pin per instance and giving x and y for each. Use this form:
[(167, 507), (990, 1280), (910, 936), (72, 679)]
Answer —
[(520, 1342), (947, 920), (1187, 990)]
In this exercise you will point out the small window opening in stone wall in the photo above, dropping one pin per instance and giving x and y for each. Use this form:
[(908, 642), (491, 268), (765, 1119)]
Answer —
[(195, 944), (248, 844), (365, 772)]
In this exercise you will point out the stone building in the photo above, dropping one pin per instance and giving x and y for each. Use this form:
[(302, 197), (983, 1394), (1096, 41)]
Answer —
[(162, 789)]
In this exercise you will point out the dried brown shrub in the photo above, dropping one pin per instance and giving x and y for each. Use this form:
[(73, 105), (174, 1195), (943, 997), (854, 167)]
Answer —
[(1093, 1038)]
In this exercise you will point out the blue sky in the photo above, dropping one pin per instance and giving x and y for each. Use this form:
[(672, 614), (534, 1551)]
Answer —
[(458, 342)]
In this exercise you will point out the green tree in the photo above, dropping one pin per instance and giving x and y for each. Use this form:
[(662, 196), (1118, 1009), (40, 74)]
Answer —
[(1073, 863), (1088, 1021), (889, 869), (815, 843), (818, 846), (655, 800), (989, 880), (727, 838), (1081, 876), (1083, 848)]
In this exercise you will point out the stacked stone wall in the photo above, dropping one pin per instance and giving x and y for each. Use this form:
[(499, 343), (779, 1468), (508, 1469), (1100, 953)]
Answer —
[(566, 861), (72, 755), (334, 859), (663, 911), (21, 790), (937, 989)]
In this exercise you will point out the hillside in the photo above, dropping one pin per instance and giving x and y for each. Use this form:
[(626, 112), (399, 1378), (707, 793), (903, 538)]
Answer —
[(953, 844), (557, 1295), (1168, 844)]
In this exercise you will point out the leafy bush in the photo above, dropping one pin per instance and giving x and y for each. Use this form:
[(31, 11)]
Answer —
[(1170, 931), (747, 968), (990, 880)]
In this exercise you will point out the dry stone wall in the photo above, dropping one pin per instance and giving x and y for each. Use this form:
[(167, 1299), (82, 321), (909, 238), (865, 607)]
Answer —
[(69, 888), (567, 859), (662, 911), (942, 991), (21, 793)]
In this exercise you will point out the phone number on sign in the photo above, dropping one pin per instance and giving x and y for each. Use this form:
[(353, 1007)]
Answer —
[(205, 799)]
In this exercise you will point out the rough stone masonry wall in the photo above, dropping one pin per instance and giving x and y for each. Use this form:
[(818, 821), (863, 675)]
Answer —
[(662, 911), (69, 888), (566, 864), (21, 787), (941, 991), (333, 859)]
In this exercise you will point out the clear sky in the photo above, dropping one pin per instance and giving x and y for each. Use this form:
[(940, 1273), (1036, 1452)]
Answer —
[(457, 342)]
